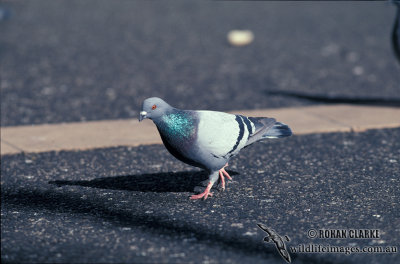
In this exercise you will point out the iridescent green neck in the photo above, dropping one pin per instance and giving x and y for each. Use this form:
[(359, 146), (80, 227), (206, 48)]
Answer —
[(177, 124)]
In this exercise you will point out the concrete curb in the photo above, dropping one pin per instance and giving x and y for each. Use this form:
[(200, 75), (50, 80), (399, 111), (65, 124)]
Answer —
[(110, 133)]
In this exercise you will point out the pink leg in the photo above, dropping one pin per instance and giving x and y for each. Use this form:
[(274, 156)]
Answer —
[(205, 194), (223, 172), (221, 176)]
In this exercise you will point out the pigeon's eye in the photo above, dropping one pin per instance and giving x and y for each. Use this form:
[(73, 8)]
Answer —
[(153, 107)]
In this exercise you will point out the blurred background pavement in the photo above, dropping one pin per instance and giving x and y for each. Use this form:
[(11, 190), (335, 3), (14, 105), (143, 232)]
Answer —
[(68, 61)]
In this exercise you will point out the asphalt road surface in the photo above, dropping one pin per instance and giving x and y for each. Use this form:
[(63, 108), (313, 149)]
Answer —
[(69, 60), (132, 205)]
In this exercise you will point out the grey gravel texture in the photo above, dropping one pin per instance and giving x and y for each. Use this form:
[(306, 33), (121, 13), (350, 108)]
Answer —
[(131, 205), (71, 60)]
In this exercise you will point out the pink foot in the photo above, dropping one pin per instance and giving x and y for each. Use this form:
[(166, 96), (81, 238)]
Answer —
[(223, 172), (204, 194)]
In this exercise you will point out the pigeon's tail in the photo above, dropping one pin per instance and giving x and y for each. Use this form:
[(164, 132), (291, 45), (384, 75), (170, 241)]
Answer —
[(279, 130)]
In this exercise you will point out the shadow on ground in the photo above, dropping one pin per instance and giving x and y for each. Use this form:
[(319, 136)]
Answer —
[(338, 99), (182, 181), (56, 202)]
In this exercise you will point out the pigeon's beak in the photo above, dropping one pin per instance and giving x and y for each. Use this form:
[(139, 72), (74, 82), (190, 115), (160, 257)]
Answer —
[(143, 115)]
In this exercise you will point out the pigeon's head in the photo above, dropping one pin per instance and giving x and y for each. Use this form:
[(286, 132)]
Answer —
[(153, 108)]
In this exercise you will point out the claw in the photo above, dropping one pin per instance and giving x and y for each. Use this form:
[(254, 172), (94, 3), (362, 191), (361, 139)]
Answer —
[(204, 194), (222, 173)]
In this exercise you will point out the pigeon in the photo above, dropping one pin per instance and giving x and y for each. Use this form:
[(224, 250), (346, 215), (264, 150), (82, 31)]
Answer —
[(208, 139)]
